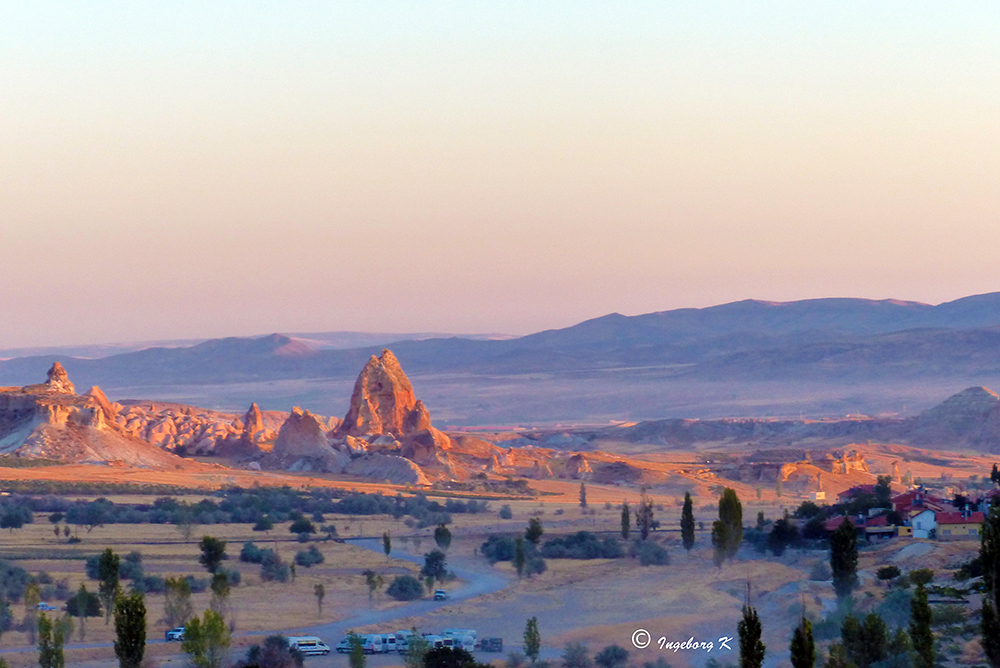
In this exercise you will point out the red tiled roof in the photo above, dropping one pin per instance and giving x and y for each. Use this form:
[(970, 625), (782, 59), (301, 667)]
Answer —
[(956, 518)]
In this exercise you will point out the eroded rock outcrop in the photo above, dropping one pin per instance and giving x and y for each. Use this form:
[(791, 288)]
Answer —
[(383, 401), (51, 421)]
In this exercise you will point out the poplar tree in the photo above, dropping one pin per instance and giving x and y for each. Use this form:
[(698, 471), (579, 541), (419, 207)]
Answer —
[(107, 573), (844, 558), (751, 646), (920, 628), (803, 647), (626, 520), (583, 495), (687, 522), (130, 629)]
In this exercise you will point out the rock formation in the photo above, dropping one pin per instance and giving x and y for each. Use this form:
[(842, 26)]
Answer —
[(301, 435), (382, 401), (51, 421), (58, 379)]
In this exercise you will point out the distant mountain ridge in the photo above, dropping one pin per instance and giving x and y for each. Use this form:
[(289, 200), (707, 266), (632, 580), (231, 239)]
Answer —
[(830, 342)]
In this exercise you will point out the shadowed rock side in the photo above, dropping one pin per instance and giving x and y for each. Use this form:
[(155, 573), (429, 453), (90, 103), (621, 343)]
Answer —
[(51, 421), (382, 401)]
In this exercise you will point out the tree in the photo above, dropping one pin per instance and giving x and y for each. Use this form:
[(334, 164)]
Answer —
[(576, 655), (534, 532), (803, 647), (644, 515), (130, 629), (687, 522), (220, 593), (177, 601), (731, 515), (206, 641), (612, 656), (844, 558), (505, 512), (302, 526), (532, 639), (265, 524), (405, 588), (920, 628), (887, 574), (32, 595), (626, 520), (50, 644), (995, 474), (213, 551), (435, 565), (356, 658), (583, 495), (84, 604), (989, 556), (865, 642), (450, 657), (319, 591), (519, 557), (416, 651), (921, 577), (371, 580), (386, 545), (883, 491), (838, 658), (720, 538), (6, 617), (274, 653), (783, 534), (442, 537), (751, 647)]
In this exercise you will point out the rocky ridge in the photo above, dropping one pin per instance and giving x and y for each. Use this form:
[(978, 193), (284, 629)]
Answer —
[(50, 421)]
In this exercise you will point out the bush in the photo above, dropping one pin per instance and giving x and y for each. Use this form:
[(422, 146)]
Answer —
[(582, 545), (499, 548), (534, 564), (13, 580), (309, 558), (405, 588), (505, 512), (649, 553), (612, 656), (272, 569), (149, 584)]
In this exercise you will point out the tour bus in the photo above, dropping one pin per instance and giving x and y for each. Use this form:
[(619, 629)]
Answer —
[(308, 645)]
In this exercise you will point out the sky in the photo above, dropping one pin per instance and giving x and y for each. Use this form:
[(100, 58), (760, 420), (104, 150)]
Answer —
[(181, 169)]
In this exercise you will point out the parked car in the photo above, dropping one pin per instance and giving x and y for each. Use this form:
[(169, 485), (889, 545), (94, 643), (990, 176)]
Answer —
[(491, 644), (174, 634), (308, 645), (46, 606), (344, 646), (440, 595)]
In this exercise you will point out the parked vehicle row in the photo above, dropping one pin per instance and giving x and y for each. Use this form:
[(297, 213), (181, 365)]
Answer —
[(384, 643)]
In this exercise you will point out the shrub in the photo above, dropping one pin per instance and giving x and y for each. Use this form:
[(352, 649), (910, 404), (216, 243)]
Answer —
[(405, 588), (650, 554), (505, 512), (499, 548), (13, 580), (309, 558), (820, 572), (582, 545), (272, 569)]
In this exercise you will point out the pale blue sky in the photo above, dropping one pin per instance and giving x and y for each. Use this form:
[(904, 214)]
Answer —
[(204, 169)]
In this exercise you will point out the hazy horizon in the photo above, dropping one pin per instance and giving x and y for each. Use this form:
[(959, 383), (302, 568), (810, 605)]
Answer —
[(192, 172)]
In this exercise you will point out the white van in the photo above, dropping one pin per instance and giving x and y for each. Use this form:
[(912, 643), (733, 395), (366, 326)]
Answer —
[(435, 641), (376, 643), (460, 632), (464, 638), (308, 645)]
